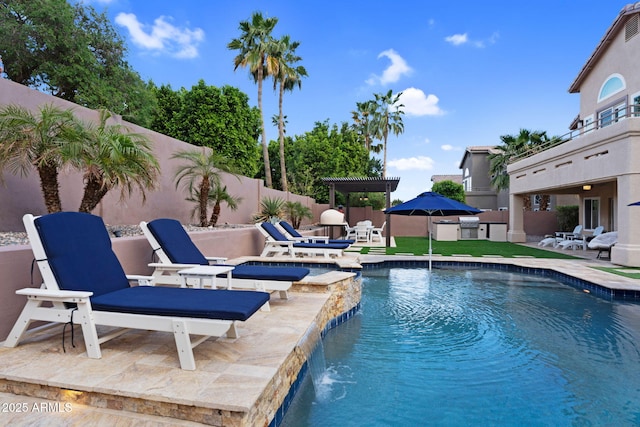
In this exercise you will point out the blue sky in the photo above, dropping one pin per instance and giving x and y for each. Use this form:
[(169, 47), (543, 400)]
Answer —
[(470, 71)]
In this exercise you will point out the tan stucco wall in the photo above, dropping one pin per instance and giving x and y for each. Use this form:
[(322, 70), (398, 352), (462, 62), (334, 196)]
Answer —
[(621, 57), (20, 195)]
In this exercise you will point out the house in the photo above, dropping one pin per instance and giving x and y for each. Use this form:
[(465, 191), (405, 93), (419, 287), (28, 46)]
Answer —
[(476, 180), (599, 159)]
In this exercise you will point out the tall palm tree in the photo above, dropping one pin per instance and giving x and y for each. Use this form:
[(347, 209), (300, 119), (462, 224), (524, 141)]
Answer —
[(388, 118), (287, 77), (202, 172), (112, 157), (38, 140), (254, 45), (363, 121)]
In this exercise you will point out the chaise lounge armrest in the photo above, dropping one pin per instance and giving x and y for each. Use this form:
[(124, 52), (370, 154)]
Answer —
[(55, 295), (142, 280)]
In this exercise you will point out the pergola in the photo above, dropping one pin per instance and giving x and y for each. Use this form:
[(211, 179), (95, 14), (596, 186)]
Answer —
[(347, 186)]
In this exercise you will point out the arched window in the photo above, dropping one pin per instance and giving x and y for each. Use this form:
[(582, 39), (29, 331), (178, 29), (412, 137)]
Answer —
[(614, 84)]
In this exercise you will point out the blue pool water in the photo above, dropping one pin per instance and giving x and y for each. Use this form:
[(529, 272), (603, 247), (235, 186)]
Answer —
[(478, 347)]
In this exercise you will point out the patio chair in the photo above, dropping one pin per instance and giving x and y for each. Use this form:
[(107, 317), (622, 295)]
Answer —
[(363, 233), (349, 232), (277, 243), (292, 234), (176, 251), (376, 232), (84, 283), (603, 243)]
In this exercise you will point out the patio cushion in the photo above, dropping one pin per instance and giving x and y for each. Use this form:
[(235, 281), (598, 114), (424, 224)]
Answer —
[(287, 274), (278, 236), (175, 242), (180, 302), (79, 252)]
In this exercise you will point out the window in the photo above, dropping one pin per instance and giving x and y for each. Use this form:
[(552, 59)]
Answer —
[(612, 114), (588, 124), (614, 84), (591, 213), (635, 105)]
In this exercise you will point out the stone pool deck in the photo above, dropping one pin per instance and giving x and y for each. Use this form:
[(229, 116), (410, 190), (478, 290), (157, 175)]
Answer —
[(238, 382)]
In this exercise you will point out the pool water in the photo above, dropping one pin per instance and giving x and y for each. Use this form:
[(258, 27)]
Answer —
[(479, 347)]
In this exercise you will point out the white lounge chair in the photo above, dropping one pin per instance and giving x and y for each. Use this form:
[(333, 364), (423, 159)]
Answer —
[(603, 243), (175, 251), (277, 243), (85, 284)]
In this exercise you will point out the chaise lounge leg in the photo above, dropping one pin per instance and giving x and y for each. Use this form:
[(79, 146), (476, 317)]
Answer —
[(183, 345)]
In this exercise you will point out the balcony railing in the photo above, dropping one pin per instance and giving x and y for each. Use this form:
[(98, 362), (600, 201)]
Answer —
[(606, 118)]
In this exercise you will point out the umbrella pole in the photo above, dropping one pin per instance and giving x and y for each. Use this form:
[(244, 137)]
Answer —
[(429, 231)]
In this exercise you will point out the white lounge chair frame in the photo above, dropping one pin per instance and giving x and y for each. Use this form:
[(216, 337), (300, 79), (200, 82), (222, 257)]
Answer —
[(272, 246), (181, 327), (166, 273)]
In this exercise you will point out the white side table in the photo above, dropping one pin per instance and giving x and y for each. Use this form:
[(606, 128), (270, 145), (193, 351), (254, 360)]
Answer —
[(205, 272)]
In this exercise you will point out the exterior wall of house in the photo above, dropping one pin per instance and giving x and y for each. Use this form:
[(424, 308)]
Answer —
[(621, 58), (607, 159)]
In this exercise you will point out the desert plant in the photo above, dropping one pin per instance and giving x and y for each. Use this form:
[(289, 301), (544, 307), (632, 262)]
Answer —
[(202, 173), (271, 210), (296, 212), (217, 194), (567, 217)]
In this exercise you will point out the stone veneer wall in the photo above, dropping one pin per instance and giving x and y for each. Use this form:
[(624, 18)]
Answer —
[(346, 292)]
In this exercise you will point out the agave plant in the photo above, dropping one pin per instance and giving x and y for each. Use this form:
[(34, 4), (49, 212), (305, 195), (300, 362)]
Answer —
[(271, 210)]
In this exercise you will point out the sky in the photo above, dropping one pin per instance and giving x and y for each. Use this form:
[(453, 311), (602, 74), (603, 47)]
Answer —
[(469, 71)]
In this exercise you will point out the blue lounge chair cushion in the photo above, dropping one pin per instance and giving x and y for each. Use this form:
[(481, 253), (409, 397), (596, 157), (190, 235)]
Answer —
[(181, 302), (277, 235), (292, 231), (175, 242), (287, 274), (180, 249), (79, 252)]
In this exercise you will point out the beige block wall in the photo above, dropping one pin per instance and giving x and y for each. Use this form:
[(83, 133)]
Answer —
[(20, 195)]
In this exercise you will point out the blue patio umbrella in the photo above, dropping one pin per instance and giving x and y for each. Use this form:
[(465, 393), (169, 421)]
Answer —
[(432, 204), (634, 204)]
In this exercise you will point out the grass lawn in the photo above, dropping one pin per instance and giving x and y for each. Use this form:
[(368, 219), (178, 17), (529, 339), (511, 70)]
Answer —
[(630, 272), (476, 248)]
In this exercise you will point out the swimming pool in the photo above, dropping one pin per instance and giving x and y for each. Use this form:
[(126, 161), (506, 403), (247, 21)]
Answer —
[(476, 347)]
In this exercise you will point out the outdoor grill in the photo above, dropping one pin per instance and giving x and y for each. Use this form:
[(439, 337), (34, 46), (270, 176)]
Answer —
[(469, 227)]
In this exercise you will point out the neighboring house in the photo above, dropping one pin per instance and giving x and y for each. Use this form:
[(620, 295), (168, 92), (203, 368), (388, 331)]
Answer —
[(439, 178), (600, 158), (477, 181)]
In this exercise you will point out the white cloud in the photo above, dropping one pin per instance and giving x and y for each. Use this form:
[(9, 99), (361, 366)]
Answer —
[(449, 147), (460, 39), (162, 36), (416, 103), (412, 163), (394, 71), (457, 39)]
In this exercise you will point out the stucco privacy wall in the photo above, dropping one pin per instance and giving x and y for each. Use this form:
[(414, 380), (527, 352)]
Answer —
[(20, 195)]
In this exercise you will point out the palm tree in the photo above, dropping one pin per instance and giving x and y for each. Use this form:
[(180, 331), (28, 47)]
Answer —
[(254, 45), (512, 146), (388, 118), (287, 77), (202, 172), (38, 140), (217, 195), (363, 121), (112, 157)]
